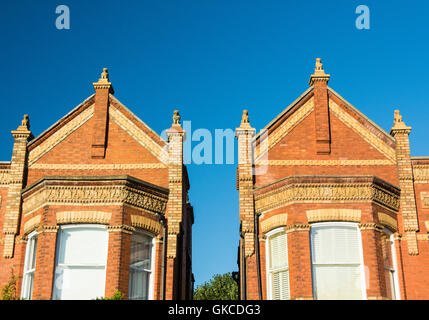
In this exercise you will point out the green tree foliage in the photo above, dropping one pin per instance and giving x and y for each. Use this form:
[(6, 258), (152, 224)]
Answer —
[(220, 287), (8, 292), (118, 295)]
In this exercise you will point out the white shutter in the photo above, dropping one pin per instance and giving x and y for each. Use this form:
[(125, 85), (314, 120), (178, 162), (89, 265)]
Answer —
[(278, 265), (335, 252), (278, 251), (80, 271)]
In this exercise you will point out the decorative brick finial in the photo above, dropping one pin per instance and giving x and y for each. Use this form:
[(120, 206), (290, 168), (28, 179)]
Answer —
[(245, 124), (398, 124), (25, 124), (245, 117), (176, 118), (105, 74), (319, 74), (104, 82)]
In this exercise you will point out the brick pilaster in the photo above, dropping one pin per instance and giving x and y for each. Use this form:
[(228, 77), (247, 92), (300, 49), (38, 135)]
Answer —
[(299, 259), (17, 173), (373, 261), (44, 276), (101, 111), (406, 183), (118, 260), (245, 134), (176, 136), (321, 108)]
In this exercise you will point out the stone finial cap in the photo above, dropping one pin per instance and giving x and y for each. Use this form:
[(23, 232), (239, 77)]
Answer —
[(319, 74), (245, 127), (25, 124), (398, 124), (245, 120), (24, 129), (176, 118), (104, 82)]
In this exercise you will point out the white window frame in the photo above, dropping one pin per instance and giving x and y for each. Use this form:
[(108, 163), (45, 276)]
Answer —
[(362, 266), (152, 263), (64, 265), (269, 271), (30, 252), (394, 271)]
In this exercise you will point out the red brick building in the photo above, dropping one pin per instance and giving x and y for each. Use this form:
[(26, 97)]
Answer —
[(331, 205), (97, 203)]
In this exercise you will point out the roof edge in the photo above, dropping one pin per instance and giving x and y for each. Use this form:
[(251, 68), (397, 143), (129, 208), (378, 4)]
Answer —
[(361, 114)]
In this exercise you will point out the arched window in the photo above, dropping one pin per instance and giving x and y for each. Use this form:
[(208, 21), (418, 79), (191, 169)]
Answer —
[(80, 267), (337, 261), (141, 267), (29, 267), (277, 266)]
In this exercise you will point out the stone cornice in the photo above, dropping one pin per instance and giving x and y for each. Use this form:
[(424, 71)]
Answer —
[(326, 189), (119, 190)]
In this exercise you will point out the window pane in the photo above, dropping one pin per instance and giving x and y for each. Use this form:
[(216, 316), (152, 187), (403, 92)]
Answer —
[(79, 283), (141, 249), (335, 245), (29, 266), (83, 246), (278, 251), (139, 285), (140, 267), (337, 282), (32, 259)]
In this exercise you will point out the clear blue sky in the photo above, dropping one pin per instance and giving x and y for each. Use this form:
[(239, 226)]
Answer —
[(211, 59)]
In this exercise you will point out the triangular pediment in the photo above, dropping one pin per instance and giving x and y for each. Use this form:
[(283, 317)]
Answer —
[(302, 109), (80, 117)]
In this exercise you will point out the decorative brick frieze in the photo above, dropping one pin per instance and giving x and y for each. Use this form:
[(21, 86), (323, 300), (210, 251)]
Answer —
[(114, 166), (320, 215), (121, 228), (421, 173), (336, 163), (297, 228), (371, 226), (32, 224), (388, 221), (4, 177), (273, 222), (146, 223), (303, 190), (47, 229), (99, 217), (119, 191)]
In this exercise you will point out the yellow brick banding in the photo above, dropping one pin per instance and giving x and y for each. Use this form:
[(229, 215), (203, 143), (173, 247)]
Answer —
[(320, 215)]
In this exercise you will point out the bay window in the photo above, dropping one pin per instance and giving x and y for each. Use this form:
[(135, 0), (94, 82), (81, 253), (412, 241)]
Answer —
[(81, 257), (29, 266), (337, 261), (277, 266), (141, 267)]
